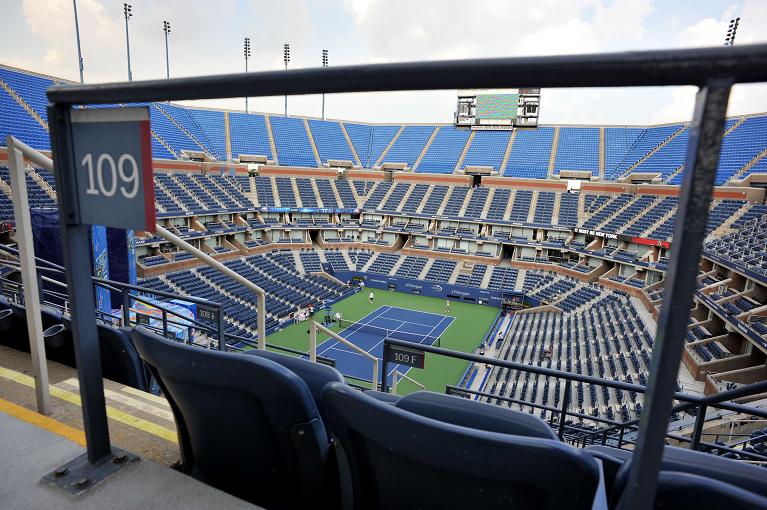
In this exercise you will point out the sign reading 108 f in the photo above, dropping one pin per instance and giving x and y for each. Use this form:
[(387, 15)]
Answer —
[(113, 161)]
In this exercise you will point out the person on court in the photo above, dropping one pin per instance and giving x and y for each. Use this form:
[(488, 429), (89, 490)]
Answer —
[(370, 297), (447, 305)]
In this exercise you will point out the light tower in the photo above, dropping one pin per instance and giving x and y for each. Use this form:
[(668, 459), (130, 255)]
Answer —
[(166, 29), (128, 14), (246, 53), (286, 59), (324, 64), (731, 31), (79, 52)]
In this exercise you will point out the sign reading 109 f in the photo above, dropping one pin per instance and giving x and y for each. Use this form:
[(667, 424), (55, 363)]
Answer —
[(113, 167)]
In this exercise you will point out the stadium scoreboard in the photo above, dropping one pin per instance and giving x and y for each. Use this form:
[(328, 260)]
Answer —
[(498, 109)]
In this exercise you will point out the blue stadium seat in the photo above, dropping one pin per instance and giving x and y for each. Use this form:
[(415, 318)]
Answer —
[(393, 458), (246, 425)]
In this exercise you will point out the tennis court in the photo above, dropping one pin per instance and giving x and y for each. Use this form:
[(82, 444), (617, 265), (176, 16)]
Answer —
[(369, 333)]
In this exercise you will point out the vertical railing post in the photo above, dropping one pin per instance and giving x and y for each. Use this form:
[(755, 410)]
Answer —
[(689, 233), (313, 342), (261, 304), (697, 430), (75, 244), (563, 411), (32, 287), (165, 324), (384, 368), (126, 307), (221, 330)]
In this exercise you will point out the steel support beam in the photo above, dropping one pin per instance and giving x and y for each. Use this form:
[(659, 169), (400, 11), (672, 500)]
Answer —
[(75, 241), (29, 276), (743, 64), (689, 233)]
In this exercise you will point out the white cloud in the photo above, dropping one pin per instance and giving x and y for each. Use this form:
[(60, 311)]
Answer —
[(710, 31), (207, 39)]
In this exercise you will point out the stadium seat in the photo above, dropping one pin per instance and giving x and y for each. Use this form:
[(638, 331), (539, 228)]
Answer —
[(119, 360), (476, 415), (684, 490), (314, 375), (56, 336), (246, 424), (681, 460), (393, 458)]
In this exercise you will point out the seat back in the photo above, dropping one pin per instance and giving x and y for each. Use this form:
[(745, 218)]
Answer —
[(684, 490), (393, 458), (703, 465), (314, 375), (476, 415), (246, 424), (119, 360), (58, 340)]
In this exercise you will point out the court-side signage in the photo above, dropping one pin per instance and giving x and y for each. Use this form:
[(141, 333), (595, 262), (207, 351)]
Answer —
[(406, 356), (113, 167)]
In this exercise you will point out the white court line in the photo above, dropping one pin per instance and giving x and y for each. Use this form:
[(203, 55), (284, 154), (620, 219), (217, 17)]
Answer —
[(402, 323), (347, 352), (430, 334), (419, 311), (376, 315), (385, 309)]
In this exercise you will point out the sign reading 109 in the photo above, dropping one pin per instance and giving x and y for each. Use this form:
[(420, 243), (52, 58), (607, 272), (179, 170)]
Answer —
[(113, 162)]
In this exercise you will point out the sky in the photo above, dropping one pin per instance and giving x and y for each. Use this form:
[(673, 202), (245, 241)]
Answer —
[(207, 38)]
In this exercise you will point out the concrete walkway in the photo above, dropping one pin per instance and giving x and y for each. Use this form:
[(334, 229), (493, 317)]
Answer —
[(492, 352), (28, 452)]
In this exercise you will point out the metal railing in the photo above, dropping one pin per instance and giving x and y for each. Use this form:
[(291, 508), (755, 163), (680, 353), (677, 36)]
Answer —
[(713, 70), (615, 432), (131, 294)]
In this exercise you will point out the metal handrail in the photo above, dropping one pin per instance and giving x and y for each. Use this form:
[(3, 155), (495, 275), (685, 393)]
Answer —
[(743, 64), (552, 372), (713, 70), (615, 427)]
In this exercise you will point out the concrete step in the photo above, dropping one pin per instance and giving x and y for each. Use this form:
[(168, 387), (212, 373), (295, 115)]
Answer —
[(389, 146), (464, 152), (351, 145), (507, 152), (20, 100), (553, 153), (426, 268), (656, 149), (184, 130), (426, 148), (533, 205), (311, 141), (272, 145)]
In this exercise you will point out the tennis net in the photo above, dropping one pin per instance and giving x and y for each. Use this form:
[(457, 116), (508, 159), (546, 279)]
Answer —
[(389, 333)]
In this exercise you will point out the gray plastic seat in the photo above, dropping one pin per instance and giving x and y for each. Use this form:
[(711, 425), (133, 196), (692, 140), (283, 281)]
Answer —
[(390, 457), (736, 474), (246, 425)]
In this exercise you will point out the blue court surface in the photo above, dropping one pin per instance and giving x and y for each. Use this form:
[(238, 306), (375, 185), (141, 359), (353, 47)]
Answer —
[(402, 323)]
